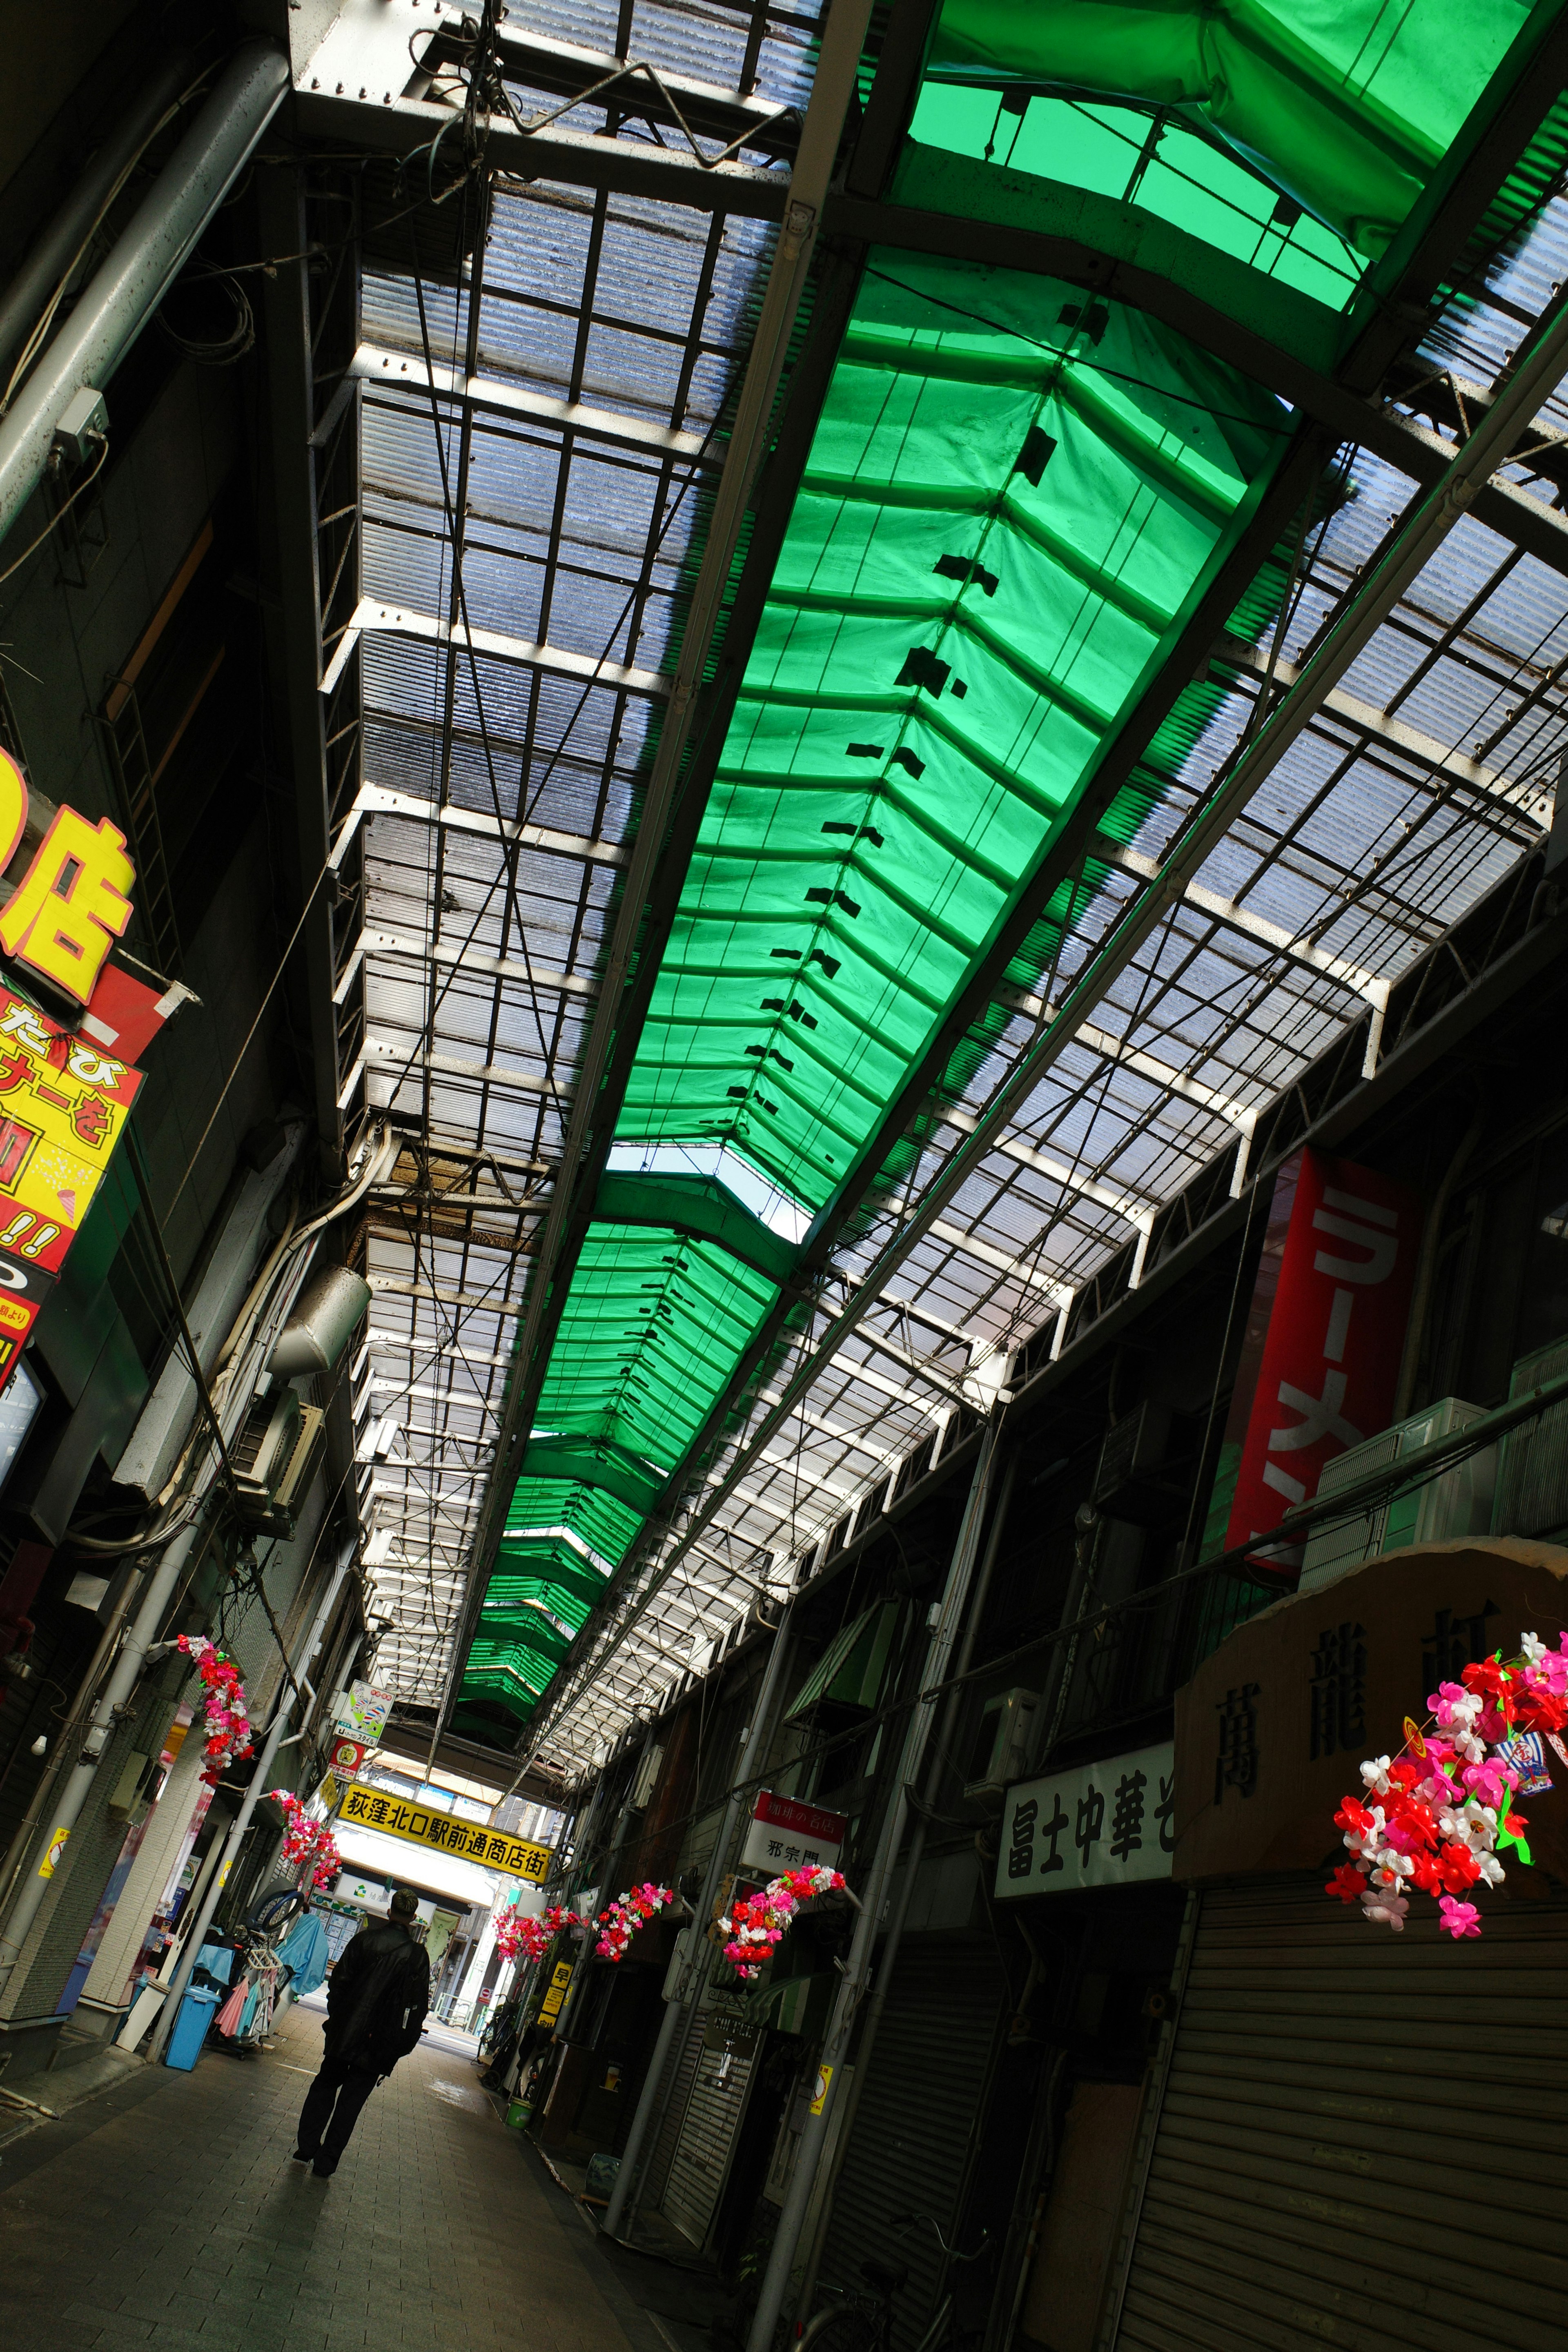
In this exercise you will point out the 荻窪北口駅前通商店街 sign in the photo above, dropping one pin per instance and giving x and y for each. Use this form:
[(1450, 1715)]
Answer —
[(1093, 1825), (439, 1832)]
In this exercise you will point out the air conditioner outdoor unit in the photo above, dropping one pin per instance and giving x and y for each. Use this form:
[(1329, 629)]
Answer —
[(1457, 1503), (1001, 1751), (275, 1460), (1531, 1495)]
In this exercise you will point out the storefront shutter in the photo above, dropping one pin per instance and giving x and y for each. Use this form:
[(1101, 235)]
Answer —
[(702, 2160), (680, 2073), (910, 2142), (1360, 2138)]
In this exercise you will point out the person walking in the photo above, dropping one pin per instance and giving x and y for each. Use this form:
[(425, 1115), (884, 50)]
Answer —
[(376, 1999)]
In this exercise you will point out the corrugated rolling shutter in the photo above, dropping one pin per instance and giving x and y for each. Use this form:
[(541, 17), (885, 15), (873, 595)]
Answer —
[(702, 2160), (1361, 2136), (909, 2140), (680, 2073)]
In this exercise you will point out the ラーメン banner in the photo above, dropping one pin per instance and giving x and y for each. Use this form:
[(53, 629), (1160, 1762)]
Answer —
[(1320, 1366), (439, 1832)]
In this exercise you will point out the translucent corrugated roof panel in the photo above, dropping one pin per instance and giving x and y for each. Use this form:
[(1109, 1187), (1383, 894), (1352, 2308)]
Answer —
[(1014, 494)]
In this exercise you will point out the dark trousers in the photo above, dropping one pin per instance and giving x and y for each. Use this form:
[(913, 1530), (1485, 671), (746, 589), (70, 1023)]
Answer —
[(332, 2107)]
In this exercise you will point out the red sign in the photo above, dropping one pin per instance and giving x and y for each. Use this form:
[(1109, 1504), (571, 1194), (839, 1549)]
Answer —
[(346, 1756), (1339, 1258), (63, 1103), (785, 1835)]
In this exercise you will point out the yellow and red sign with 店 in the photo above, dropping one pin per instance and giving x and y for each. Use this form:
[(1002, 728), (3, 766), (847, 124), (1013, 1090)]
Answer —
[(62, 1102)]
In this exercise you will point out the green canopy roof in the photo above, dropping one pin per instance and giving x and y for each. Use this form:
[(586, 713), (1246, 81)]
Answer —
[(1015, 496)]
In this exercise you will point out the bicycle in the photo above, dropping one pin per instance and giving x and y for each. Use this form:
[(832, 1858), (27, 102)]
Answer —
[(857, 2321)]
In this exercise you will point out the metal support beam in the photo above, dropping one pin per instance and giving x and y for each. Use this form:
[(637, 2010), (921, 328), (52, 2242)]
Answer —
[(386, 123), (380, 800), (373, 363), (375, 619)]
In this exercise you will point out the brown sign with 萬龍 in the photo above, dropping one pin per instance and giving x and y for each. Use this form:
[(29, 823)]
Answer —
[(1272, 1728)]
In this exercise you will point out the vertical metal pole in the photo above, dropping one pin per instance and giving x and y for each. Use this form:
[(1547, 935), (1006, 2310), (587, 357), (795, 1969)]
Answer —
[(232, 1844), (754, 1745), (944, 1636), (894, 1934)]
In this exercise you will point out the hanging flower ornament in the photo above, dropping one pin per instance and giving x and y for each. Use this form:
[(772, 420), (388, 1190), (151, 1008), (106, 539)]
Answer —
[(227, 1716), (517, 1932), (621, 1919), (1433, 1817), (758, 1922), (307, 1839)]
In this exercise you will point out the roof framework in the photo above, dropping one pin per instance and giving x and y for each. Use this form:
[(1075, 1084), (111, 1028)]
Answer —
[(541, 438)]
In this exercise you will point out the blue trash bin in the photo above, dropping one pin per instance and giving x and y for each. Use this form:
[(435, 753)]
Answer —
[(190, 2029)]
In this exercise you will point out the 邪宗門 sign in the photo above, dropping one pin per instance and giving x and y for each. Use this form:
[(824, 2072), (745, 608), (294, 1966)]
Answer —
[(783, 1834), (439, 1832), (1092, 1826)]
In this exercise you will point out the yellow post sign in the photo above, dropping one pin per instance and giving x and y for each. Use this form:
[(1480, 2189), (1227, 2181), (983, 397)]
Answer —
[(439, 1832), (52, 1852), (549, 2006), (330, 1792)]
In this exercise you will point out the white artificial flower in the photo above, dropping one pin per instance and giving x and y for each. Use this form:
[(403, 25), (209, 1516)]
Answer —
[(1491, 1868), (1375, 1775), (1532, 1646)]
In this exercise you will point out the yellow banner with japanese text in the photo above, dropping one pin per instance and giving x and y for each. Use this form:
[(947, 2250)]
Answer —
[(438, 1832), (62, 1106)]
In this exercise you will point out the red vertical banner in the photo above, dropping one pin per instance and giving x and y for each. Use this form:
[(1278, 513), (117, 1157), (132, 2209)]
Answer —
[(1339, 1260)]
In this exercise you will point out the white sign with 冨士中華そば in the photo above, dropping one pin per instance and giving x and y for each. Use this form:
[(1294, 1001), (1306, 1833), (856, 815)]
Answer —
[(1090, 1825)]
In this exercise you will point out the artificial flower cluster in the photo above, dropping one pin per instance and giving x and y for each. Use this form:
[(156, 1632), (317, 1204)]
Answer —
[(228, 1719), (1433, 1817), (757, 1924), (307, 1839), (621, 1919), (517, 1931)]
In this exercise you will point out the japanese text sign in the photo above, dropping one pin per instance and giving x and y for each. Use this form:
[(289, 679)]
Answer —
[(345, 1756), (365, 1711), (1092, 1826), (1273, 1727), (73, 902), (1342, 1251), (439, 1832), (62, 1106), (23, 1292), (785, 1835), (555, 1992)]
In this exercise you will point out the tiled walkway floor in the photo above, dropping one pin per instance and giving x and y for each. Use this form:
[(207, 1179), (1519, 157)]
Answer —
[(168, 2213)]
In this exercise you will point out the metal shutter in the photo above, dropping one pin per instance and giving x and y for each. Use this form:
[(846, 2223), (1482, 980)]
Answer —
[(680, 2073), (910, 2141), (702, 2160), (1361, 2141)]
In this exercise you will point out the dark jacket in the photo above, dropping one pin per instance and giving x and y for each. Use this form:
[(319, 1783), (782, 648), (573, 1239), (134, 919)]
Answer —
[(377, 1997)]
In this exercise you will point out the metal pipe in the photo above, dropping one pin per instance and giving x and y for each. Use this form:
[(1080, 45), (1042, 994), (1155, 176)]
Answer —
[(1427, 1266), (145, 1627), (125, 291), (852, 1990), (894, 1937), (241, 1822), (754, 1742), (60, 244)]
